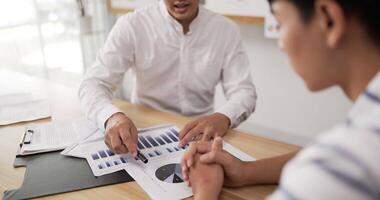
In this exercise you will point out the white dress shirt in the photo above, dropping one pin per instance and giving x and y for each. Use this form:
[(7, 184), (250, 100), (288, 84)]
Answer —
[(174, 72)]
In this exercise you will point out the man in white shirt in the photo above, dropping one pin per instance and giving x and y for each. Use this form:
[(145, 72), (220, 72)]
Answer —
[(178, 52)]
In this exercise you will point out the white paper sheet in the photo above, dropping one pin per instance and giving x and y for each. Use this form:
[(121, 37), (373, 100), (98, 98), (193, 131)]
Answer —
[(15, 98), (103, 161), (160, 146), (161, 177), (56, 136), (82, 148), (26, 111)]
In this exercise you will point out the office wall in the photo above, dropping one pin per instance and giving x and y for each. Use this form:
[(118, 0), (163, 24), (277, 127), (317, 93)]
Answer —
[(286, 110)]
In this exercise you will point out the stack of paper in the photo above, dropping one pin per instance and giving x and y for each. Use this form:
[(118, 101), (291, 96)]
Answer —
[(57, 136), (21, 107)]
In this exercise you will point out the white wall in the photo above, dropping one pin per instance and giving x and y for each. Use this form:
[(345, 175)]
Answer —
[(286, 110)]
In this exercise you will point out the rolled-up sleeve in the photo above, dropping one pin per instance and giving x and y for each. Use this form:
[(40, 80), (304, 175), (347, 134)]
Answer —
[(103, 78), (237, 83)]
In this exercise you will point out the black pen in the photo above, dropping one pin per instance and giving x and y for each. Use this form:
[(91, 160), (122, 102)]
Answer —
[(142, 157)]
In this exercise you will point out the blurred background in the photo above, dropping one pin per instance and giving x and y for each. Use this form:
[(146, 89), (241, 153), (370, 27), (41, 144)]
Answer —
[(44, 38), (59, 40)]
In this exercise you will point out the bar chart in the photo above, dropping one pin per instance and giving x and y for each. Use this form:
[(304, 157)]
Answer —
[(153, 144), (158, 144)]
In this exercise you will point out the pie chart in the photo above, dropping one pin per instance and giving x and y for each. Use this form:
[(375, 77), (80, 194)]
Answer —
[(170, 173)]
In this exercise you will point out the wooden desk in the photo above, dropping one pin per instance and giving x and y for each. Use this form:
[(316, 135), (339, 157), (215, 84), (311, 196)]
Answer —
[(65, 106)]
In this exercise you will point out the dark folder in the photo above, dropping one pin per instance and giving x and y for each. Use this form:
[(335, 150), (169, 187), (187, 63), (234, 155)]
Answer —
[(53, 173)]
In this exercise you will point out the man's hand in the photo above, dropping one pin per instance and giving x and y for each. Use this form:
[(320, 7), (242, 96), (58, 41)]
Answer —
[(213, 153), (216, 124), (121, 134), (206, 180)]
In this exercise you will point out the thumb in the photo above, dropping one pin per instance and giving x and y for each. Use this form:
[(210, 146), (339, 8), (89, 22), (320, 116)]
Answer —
[(216, 155), (217, 144)]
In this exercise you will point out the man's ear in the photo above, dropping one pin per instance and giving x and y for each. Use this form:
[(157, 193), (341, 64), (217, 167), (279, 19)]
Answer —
[(332, 21)]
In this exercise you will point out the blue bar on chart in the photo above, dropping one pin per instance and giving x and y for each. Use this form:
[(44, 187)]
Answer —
[(143, 140), (166, 138), (95, 156), (123, 160), (157, 152), (175, 132), (102, 154), (110, 153), (159, 140), (154, 143), (116, 162), (172, 136), (139, 145), (108, 164)]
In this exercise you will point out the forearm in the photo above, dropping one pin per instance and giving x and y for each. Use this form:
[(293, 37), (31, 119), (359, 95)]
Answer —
[(266, 171), (237, 82), (96, 101), (106, 74)]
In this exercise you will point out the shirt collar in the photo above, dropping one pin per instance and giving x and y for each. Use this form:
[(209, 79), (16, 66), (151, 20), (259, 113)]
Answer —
[(176, 25), (374, 85), (362, 108)]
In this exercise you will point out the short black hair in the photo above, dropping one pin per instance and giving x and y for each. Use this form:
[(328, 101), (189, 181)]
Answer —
[(367, 11)]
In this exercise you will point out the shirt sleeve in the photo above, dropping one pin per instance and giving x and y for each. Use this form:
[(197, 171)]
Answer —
[(237, 83), (102, 79)]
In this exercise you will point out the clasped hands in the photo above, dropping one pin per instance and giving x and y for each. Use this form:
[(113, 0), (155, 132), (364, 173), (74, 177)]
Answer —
[(206, 167)]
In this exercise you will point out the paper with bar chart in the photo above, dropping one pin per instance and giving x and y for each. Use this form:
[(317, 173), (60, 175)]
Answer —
[(103, 161), (153, 143), (161, 177)]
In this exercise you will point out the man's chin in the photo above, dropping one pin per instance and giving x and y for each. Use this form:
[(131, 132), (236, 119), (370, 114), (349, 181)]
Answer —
[(181, 17)]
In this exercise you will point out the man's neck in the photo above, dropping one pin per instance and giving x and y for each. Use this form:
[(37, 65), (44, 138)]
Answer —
[(186, 23), (185, 27), (362, 69)]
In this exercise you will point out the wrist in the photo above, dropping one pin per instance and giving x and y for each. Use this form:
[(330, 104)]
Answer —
[(253, 177), (207, 193), (246, 179), (113, 117), (224, 118)]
